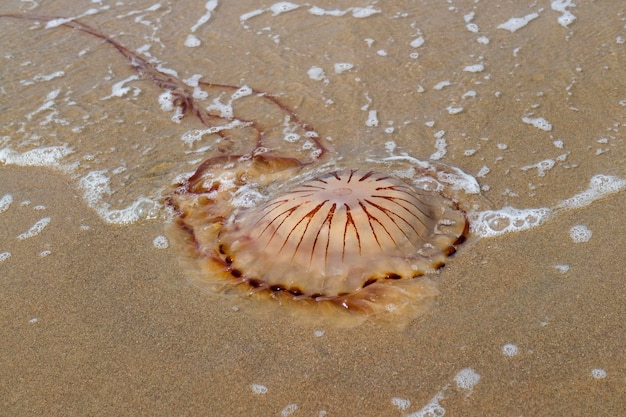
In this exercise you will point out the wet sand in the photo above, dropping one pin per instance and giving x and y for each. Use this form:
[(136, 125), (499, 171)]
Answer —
[(107, 324), (119, 331)]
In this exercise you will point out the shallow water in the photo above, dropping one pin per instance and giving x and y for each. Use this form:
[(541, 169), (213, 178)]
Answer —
[(98, 320)]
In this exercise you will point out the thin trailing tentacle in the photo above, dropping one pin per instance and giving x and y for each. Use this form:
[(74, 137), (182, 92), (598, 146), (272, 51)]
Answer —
[(183, 96)]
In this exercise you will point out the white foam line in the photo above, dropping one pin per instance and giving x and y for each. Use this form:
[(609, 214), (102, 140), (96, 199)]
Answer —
[(401, 404), (455, 177), (285, 6), (538, 122), (440, 145), (566, 17), (226, 109), (48, 104), (289, 410), (192, 40), (516, 23), (43, 77), (46, 156), (152, 8), (96, 185), (258, 389), (490, 223), (35, 229), (119, 90), (5, 202), (433, 408), (600, 186), (60, 21)]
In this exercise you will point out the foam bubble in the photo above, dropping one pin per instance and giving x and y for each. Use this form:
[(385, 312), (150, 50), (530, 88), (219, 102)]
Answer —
[(470, 94), (247, 196), (433, 408), (566, 17), (542, 167), (454, 110), (58, 22), (466, 379), (483, 171), (43, 77), (5, 202), (243, 91), (35, 229), (474, 68), (491, 223), (120, 90), (4, 256), (417, 42), (342, 66), (161, 242), (516, 23), (509, 350), (401, 404), (441, 145), (251, 14), (166, 101), (362, 12), (289, 410), (580, 233), (538, 122), (282, 7), (372, 119), (258, 389), (318, 11), (192, 41), (197, 134), (598, 373), (472, 27), (317, 73), (441, 84), (459, 180)]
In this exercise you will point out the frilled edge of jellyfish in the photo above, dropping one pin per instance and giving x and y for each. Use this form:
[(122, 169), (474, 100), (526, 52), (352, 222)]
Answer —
[(394, 299)]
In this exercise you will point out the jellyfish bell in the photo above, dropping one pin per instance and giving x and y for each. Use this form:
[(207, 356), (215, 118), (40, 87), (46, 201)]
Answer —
[(340, 232), (350, 240)]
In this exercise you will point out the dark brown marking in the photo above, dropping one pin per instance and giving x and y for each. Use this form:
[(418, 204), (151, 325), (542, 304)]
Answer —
[(369, 282), (393, 275)]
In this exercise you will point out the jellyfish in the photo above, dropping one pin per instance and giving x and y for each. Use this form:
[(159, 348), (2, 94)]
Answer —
[(266, 220)]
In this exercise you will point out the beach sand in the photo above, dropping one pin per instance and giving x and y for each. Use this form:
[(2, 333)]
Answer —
[(529, 323)]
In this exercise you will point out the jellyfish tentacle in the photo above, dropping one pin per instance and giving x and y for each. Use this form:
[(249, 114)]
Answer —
[(181, 92)]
